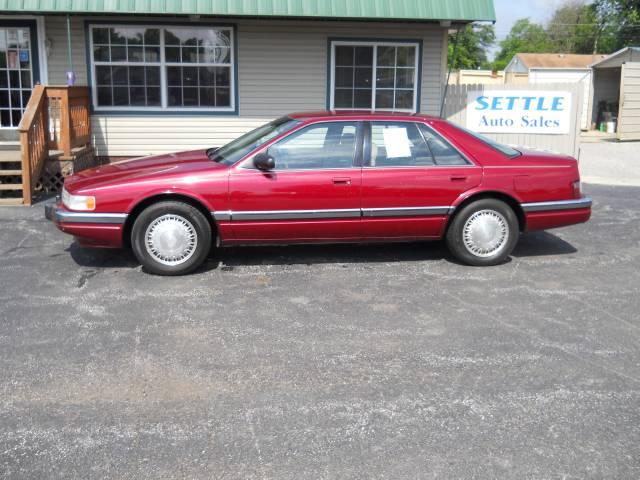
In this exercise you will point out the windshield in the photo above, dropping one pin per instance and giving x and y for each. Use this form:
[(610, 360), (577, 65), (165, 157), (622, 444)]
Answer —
[(505, 150), (242, 146)]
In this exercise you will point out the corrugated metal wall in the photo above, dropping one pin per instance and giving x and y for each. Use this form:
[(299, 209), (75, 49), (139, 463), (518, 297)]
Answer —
[(456, 112), (629, 115), (282, 68)]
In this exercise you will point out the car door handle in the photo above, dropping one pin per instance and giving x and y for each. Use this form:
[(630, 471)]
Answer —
[(458, 178), (342, 181)]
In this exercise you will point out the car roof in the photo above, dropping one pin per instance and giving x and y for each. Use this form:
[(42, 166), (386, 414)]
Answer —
[(358, 114)]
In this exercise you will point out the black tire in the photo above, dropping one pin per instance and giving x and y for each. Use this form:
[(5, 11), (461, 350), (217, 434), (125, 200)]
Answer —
[(196, 226), (497, 212)]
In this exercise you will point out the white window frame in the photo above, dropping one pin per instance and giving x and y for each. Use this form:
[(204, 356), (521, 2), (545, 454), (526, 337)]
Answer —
[(163, 64), (375, 45)]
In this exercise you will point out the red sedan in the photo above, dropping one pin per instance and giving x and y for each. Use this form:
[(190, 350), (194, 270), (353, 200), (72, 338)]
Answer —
[(320, 178)]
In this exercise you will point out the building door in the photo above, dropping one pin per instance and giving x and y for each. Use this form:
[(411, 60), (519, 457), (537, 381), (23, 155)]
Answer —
[(18, 73)]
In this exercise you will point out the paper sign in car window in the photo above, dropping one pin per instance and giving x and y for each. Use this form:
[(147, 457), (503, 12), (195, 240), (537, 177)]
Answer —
[(396, 142)]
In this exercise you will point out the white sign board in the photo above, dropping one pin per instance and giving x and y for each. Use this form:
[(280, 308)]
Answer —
[(519, 111)]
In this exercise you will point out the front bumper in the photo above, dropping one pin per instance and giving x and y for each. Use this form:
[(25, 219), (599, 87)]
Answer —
[(89, 228)]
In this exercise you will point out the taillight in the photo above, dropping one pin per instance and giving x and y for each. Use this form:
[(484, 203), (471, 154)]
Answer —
[(577, 189)]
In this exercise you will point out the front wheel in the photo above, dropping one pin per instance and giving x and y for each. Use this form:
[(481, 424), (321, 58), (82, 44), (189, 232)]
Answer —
[(483, 233), (171, 238)]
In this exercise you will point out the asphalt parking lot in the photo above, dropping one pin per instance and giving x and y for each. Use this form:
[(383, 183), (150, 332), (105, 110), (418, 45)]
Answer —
[(324, 362)]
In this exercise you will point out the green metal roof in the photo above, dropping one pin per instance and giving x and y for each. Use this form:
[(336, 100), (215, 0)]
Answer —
[(414, 10)]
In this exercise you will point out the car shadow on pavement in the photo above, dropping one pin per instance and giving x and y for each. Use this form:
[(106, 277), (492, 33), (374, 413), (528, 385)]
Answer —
[(530, 245), (535, 244)]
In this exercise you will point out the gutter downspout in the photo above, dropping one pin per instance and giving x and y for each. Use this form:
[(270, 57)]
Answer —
[(71, 76)]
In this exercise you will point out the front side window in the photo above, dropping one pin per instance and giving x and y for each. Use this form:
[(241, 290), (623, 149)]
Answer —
[(162, 68), (374, 76), (398, 144), (321, 146)]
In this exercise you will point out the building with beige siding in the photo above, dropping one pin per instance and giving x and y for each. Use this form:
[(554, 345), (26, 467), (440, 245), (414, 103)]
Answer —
[(168, 75)]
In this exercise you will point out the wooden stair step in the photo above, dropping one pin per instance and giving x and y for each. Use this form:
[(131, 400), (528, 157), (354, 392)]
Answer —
[(6, 173), (10, 201), (10, 160), (10, 186)]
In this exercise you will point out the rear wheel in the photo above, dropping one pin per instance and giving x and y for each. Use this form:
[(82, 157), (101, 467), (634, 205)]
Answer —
[(171, 238), (483, 233)]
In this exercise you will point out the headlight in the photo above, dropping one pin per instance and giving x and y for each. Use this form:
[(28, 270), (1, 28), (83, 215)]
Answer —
[(78, 202)]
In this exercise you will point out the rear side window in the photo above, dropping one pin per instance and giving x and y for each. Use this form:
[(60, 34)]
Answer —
[(398, 144), (442, 151)]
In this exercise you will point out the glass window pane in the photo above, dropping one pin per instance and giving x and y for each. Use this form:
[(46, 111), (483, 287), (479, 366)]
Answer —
[(384, 77), (152, 76), (364, 56), (208, 97), (174, 97), (3, 58), (104, 97), (362, 98), (398, 144), (152, 54), (174, 76), (344, 56), (153, 97), (101, 36), (137, 96), (172, 54), (386, 56), (16, 116), (343, 98), (363, 77), (136, 54), (103, 75), (190, 97), (118, 54), (136, 76), (405, 77), (384, 98), (152, 36), (120, 75), (120, 96), (344, 77), (406, 56), (5, 118), (189, 54), (190, 76), (101, 54), (404, 99), (25, 78), (223, 76), (4, 79), (223, 97), (442, 151), (116, 36)]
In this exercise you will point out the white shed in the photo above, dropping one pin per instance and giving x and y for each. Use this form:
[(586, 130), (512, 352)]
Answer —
[(616, 88), (557, 68)]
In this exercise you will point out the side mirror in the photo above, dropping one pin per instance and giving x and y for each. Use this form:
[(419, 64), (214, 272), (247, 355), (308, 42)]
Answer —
[(264, 161)]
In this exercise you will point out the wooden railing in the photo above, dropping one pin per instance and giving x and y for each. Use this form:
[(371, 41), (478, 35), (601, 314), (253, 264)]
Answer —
[(56, 118)]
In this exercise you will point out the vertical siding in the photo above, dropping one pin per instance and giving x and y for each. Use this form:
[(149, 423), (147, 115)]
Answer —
[(282, 67), (629, 119)]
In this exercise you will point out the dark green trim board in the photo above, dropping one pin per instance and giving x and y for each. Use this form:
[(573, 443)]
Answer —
[(398, 10), (417, 41), (146, 112)]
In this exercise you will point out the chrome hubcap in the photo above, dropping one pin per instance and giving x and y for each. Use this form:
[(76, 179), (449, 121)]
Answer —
[(485, 233), (171, 239)]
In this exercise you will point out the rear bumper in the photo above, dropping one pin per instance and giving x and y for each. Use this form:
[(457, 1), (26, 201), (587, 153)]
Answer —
[(89, 228), (546, 215)]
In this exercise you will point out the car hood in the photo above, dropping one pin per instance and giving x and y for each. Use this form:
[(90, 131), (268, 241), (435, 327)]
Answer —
[(141, 169)]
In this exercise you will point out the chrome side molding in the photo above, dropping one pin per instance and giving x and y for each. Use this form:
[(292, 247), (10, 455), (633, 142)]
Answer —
[(61, 216), (584, 202), (226, 216)]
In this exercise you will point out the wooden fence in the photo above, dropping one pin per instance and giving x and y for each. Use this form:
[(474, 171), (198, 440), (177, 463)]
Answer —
[(455, 110)]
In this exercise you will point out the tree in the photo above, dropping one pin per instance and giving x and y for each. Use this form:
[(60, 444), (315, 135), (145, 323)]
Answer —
[(525, 36), (573, 28), (618, 24), (472, 45)]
